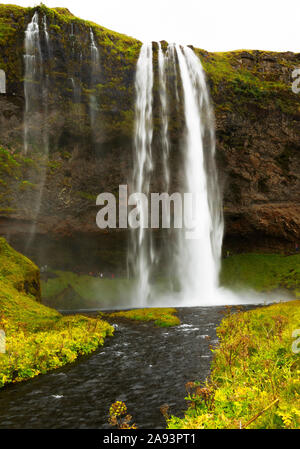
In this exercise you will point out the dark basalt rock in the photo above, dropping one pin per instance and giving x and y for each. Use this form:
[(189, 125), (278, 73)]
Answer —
[(257, 124)]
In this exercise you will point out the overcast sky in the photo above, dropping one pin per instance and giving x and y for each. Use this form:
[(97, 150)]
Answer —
[(215, 25)]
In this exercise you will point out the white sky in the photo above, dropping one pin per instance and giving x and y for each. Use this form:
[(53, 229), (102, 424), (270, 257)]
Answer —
[(215, 25)]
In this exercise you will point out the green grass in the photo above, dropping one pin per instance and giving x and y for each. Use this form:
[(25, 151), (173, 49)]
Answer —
[(38, 339), (255, 380), (236, 86), (262, 272), (162, 317)]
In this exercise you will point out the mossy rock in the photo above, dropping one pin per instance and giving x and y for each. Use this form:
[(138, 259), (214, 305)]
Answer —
[(19, 271)]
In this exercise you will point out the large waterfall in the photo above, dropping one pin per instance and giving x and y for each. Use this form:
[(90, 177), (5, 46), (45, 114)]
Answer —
[(141, 252), (193, 252), (200, 254)]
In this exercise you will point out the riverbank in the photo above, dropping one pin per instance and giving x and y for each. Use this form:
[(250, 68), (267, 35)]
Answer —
[(37, 338), (255, 381)]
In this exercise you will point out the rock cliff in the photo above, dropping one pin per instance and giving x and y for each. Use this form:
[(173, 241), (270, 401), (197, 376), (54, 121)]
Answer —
[(257, 128)]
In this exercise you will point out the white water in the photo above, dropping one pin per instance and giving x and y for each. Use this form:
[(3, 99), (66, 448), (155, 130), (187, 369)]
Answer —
[(33, 72), (95, 61), (94, 49), (36, 88), (141, 253), (162, 64), (195, 263), (46, 33)]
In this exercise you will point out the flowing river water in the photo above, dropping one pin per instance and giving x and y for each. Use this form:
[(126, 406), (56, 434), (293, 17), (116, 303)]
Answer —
[(142, 365)]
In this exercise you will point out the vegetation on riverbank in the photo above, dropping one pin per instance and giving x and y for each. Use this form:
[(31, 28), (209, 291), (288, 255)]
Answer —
[(38, 339), (162, 317), (255, 381), (262, 272)]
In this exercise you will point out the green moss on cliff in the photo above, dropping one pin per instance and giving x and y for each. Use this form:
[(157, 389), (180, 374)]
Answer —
[(12, 21), (236, 84)]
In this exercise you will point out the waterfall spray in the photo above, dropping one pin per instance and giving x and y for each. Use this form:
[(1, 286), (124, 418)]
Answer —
[(95, 60)]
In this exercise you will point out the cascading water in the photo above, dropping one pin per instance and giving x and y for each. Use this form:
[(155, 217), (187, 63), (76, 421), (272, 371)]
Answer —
[(200, 255), (36, 87), (95, 61), (141, 252), (162, 62), (195, 259), (75, 83), (171, 54), (46, 34), (33, 74)]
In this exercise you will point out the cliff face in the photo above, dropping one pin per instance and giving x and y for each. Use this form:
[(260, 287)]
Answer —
[(257, 123)]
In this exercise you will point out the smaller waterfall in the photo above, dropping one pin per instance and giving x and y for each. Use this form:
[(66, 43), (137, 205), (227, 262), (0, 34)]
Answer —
[(95, 61), (76, 90), (46, 33), (94, 50), (33, 73), (141, 252), (171, 54), (36, 89)]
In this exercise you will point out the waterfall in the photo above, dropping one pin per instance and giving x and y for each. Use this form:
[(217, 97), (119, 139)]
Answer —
[(46, 34), (199, 256), (162, 63), (36, 88), (94, 50), (33, 74), (141, 253), (171, 51), (95, 60), (193, 252)]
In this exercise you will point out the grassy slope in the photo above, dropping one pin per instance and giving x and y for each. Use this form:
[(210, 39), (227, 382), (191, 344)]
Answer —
[(253, 367), (262, 272), (162, 317), (38, 338)]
